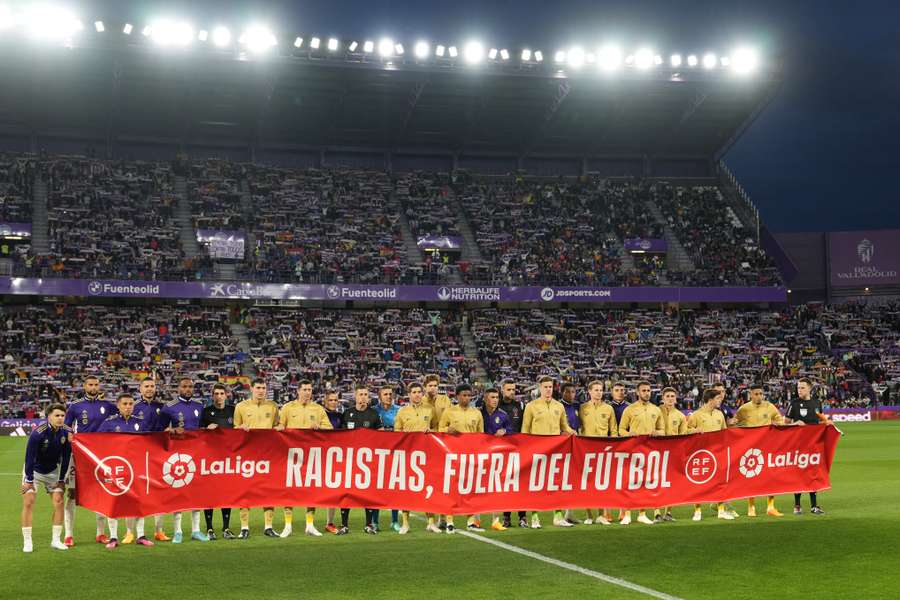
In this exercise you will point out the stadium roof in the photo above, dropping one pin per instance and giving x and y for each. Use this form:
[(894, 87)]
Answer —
[(123, 91)]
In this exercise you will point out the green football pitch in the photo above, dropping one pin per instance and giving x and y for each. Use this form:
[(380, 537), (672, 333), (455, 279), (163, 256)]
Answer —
[(851, 552)]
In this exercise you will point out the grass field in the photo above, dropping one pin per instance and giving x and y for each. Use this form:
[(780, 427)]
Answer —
[(851, 552)]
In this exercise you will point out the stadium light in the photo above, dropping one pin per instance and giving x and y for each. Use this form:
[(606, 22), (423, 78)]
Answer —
[(203, 35), (314, 43), (333, 44), (539, 56), (171, 33), (492, 54), (590, 58), (526, 54), (474, 52), (368, 46), (99, 26), (609, 58), (559, 57), (724, 61), (675, 60), (421, 49), (398, 49), (298, 42), (504, 54), (744, 60), (221, 36), (386, 47), (6, 17), (439, 51), (643, 59), (452, 51), (258, 39), (576, 57), (353, 46), (657, 60), (46, 22), (128, 28), (146, 31), (692, 61), (710, 61)]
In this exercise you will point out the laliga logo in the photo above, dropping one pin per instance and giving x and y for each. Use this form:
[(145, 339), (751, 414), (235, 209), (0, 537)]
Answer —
[(443, 293), (333, 291), (865, 250), (547, 294), (95, 287), (115, 475), (178, 470), (751, 463)]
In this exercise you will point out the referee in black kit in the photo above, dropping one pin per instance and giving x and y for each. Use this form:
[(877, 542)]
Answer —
[(805, 410), (218, 414)]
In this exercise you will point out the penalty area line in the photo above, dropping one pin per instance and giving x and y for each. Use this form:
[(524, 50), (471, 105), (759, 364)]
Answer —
[(566, 565)]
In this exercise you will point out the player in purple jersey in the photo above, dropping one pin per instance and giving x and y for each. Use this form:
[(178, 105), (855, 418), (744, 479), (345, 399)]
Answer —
[(46, 462), (85, 415), (123, 422), (148, 407), (180, 415)]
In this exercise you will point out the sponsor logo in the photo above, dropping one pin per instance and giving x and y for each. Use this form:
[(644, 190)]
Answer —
[(701, 467), (751, 463), (547, 294), (851, 417), (865, 250), (178, 470), (115, 475), (217, 289), (468, 294), (443, 293), (646, 244), (333, 291), (579, 293), (96, 288)]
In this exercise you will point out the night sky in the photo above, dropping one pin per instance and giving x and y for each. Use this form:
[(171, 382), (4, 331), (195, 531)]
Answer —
[(822, 156)]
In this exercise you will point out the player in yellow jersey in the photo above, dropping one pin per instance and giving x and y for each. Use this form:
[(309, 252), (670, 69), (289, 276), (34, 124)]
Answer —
[(462, 418), (414, 417), (641, 418), (303, 413), (598, 419), (675, 424), (759, 412), (706, 419), (257, 412), (438, 402), (546, 416)]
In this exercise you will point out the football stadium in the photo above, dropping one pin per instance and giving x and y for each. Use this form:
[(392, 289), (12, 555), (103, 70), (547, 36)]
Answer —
[(284, 311)]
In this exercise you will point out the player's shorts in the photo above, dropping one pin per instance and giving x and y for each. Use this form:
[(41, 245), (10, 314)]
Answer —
[(70, 475), (50, 481)]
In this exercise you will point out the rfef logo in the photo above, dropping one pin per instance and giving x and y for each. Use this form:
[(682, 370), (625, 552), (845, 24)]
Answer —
[(751, 463), (701, 467), (115, 475), (178, 470)]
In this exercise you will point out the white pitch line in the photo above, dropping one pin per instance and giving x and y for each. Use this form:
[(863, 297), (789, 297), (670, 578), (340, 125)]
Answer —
[(566, 565)]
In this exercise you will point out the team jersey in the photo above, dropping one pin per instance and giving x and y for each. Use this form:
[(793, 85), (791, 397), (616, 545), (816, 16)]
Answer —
[(335, 418), (641, 418), (295, 415), (515, 410), (495, 421), (572, 417), (353, 418), (222, 417), (704, 420), (751, 415), (261, 415), (413, 418), (543, 417), (598, 420), (387, 415), (119, 424), (674, 420), (619, 409), (86, 414), (149, 412), (180, 412), (463, 420), (440, 404), (47, 449)]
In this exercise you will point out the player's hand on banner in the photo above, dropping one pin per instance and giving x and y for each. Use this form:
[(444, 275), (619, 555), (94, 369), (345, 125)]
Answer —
[(500, 432), (212, 426), (279, 428)]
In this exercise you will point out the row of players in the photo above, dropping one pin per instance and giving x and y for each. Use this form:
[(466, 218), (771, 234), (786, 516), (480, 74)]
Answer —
[(48, 454)]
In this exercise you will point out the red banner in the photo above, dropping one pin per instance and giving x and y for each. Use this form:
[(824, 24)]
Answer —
[(131, 475)]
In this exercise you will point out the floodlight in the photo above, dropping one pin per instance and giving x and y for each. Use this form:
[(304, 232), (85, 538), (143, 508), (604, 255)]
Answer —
[(368, 46), (221, 36), (332, 44), (386, 47), (643, 59), (710, 61), (452, 51), (474, 52), (692, 60), (504, 54), (422, 50), (675, 60), (744, 60), (576, 57), (99, 26), (539, 56), (609, 58), (315, 43), (526, 54), (258, 39), (439, 51)]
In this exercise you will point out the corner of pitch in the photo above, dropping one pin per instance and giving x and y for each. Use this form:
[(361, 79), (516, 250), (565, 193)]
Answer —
[(625, 470)]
